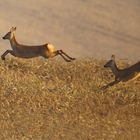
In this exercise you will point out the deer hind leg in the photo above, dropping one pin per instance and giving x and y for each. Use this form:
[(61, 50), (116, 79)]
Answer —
[(6, 52), (67, 60), (56, 53), (62, 52)]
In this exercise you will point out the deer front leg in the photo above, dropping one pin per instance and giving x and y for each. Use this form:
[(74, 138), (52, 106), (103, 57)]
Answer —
[(110, 84), (6, 52)]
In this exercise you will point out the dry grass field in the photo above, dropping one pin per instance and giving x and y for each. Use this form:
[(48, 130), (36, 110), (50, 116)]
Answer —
[(84, 28), (55, 100)]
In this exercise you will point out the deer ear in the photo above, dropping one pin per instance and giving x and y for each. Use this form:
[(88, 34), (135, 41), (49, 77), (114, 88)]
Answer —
[(113, 57), (13, 29)]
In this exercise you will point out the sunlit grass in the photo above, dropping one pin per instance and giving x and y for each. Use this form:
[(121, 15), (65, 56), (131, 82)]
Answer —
[(55, 100)]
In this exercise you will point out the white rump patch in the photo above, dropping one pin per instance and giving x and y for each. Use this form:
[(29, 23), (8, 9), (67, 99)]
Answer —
[(51, 48)]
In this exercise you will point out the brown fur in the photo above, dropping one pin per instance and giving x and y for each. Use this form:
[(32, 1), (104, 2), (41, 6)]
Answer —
[(24, 51), (123, 75)]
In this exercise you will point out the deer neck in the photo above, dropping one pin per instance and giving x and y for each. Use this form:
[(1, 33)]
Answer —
[(13, 42), (115, 70)]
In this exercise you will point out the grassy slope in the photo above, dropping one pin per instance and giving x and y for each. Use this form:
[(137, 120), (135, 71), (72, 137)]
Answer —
[(55, 100), (82, 28)]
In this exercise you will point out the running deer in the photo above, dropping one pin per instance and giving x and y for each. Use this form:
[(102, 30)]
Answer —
[(24, 51), (122, 75)]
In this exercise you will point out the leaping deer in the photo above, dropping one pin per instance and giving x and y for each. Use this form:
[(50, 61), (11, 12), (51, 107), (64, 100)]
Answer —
[(122, 75), (24, 51)]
